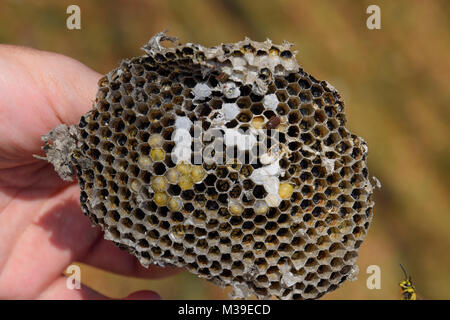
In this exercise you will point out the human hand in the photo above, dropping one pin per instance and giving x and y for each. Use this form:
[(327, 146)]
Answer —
[(42, 228)]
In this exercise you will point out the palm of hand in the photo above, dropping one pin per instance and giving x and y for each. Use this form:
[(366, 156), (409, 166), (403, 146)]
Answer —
[(42, 228)]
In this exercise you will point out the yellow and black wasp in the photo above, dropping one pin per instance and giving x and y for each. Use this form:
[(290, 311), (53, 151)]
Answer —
[(407, 287)]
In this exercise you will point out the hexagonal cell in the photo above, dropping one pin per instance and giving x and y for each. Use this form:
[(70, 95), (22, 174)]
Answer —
[(282, 95), (244, 102), (316, 90), (305, 97), (293, 89)]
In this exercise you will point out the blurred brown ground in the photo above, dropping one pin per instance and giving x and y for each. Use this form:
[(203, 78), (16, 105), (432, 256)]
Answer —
[(395, 82)]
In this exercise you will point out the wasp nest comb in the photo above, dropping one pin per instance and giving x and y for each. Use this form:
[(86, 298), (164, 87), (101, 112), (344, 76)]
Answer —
[(229, 161)]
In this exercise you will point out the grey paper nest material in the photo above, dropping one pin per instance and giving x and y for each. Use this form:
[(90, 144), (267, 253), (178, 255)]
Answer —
[(230, 161)]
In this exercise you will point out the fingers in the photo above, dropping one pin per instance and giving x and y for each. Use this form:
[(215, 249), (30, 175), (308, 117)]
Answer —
[(47, 238), (55, 234), (61, 290), (105, 255)]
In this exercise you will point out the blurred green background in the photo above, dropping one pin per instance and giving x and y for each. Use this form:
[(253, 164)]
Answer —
[(395, 82)]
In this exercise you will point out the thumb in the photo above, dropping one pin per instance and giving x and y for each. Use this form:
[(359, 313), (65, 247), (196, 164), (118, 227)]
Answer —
[(39, 91)]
